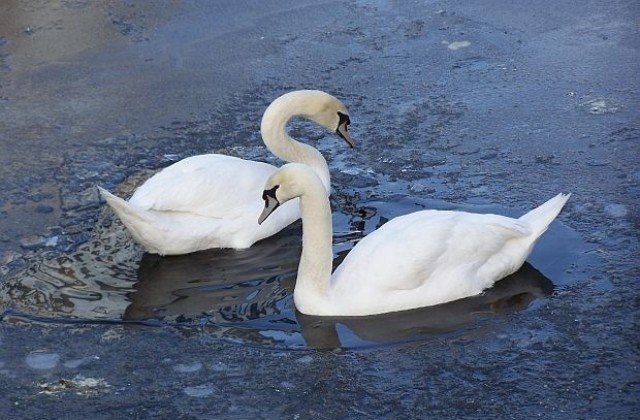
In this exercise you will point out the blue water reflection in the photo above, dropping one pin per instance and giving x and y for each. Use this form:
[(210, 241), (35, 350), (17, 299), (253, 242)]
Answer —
[(246, 296)]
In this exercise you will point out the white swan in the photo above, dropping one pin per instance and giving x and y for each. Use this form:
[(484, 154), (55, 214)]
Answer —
[(420, 259), (208, 201)]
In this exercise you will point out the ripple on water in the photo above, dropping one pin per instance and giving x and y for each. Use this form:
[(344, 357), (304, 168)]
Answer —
[(246, 296)]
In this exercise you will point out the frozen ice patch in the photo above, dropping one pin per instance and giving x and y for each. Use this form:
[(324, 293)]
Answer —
[(305, 359), (188, 367), (76, 363), (419, 187), (52, 241), (456, 45), (199, 391), (42, 360), (616, 210), (599, 106), (350, 171)]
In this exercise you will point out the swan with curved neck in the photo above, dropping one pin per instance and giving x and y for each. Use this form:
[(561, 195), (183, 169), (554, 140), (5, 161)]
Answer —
[(300, 103), (416, 260), (208, 201)]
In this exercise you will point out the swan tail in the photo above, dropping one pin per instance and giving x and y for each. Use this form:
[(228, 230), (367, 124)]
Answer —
[(541, 217), (123, 209)]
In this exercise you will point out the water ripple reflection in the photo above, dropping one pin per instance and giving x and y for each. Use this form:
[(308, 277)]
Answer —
[(246, 296)]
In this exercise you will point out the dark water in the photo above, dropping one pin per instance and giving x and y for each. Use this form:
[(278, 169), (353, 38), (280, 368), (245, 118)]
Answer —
[(246, 296)]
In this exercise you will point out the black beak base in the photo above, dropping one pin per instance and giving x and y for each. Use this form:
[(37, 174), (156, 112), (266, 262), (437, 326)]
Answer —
[(270, 203)]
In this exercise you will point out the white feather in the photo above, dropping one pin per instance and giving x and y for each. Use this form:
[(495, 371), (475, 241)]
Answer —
[(420, 259), (209, 201)]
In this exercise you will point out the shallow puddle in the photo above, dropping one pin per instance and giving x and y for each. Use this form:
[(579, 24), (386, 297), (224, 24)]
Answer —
[(246, 296)]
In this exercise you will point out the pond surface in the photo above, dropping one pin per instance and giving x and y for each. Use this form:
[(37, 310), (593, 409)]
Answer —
[(245, 296), (469, 105)]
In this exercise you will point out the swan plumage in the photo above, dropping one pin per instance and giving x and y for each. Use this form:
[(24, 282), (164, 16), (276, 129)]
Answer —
[(420, 259), (208, 201)]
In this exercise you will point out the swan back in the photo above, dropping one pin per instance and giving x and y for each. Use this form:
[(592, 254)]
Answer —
[(432, 257)]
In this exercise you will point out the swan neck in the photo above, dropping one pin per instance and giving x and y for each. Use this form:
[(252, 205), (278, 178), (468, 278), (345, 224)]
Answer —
[(275, 137), (314, 270)]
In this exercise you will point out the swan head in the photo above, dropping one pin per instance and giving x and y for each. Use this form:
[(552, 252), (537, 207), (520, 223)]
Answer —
[(318, 106), (290, 181), (330, 113)]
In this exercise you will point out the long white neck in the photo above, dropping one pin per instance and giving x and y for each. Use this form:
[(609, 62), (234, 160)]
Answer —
[(275, 137), (314, 271)]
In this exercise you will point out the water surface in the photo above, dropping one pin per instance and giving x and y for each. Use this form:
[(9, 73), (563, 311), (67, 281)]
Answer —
[(245, 296)]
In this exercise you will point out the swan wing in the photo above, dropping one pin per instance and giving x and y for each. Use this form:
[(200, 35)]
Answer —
[(428, 257), (212, 186)]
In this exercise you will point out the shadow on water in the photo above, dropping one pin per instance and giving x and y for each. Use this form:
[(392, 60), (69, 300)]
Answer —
[(246, 296)]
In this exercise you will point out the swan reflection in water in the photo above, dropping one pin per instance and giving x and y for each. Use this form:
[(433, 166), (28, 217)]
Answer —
[(223, 284), (511, 294), (248, 294)]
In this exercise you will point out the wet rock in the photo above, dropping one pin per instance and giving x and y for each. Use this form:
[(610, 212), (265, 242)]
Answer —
[(42, 360)]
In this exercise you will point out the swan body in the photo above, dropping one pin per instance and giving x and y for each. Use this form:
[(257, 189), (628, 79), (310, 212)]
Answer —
[(421, 259), (208, 201)]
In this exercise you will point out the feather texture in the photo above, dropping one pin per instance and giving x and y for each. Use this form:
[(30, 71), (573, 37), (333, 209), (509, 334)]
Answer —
[(209, 201), (420, 259)]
